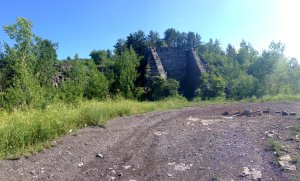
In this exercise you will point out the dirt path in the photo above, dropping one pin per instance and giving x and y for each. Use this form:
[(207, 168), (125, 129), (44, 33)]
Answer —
[(189, 144)]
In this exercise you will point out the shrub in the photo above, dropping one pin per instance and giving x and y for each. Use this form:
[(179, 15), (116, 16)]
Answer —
[(162, 88)]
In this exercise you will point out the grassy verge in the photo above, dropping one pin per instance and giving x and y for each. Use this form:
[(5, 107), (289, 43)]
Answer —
[(277, 98), (28, 131), (25, 132)]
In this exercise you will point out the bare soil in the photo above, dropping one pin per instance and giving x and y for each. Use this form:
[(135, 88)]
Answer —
[(197, 143)]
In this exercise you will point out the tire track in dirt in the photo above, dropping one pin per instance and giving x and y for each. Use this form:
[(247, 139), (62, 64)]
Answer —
[(189, 144)]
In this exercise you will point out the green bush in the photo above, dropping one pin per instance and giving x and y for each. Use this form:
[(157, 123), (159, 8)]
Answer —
[(211, 86), (162, 88)]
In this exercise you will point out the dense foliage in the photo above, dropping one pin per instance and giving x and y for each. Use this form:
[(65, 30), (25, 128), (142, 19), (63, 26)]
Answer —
[(31, 75)]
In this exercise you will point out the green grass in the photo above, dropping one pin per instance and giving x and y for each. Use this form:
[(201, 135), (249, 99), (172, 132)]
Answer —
[(276, 147), (277, 98), (28, 131)]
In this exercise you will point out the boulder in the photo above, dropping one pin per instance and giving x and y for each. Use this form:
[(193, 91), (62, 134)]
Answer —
[(226, 113), (247, 112)]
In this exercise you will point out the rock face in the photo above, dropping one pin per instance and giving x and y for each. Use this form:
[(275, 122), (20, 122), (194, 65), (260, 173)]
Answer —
[(183, 65)]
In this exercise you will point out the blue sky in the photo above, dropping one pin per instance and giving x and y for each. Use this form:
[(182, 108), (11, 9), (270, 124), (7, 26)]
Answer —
[(79, 26)]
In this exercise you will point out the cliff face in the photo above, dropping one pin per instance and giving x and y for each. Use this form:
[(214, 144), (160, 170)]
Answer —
[(183, 65)]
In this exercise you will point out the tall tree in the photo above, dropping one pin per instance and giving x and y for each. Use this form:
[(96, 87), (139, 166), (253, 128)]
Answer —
[(126, 71), (138, 42), (46, 55), (153, 39), (99, 56), (23, 87), (120, 46), (171, 37)]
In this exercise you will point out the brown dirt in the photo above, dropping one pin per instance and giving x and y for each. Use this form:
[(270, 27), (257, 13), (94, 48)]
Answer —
[(189, 144)]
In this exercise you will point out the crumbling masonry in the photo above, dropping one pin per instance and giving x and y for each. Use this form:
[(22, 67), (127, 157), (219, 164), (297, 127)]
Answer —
[(183, 65)]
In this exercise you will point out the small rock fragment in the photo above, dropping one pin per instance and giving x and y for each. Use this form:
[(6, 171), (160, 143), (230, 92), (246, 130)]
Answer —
[(113, 172), (192, 119), (182, 167), (284, 113), (278, 112), (99, 155), (127, 167), (270, 133), (32, 172), (293, 114), (266, 111), (120, 174), (169, 175), (80, 164)]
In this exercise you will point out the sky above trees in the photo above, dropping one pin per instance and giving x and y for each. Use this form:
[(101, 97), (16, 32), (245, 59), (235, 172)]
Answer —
[(80, 26)]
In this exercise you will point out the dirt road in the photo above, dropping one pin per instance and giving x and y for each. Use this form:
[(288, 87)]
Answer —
[(189, 144)]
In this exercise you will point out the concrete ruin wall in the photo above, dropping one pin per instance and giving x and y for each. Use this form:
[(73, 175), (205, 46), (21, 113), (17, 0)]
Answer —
[(183, 65)]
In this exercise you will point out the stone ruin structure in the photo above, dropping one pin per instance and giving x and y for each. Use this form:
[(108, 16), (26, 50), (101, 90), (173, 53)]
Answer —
[(183, 65)]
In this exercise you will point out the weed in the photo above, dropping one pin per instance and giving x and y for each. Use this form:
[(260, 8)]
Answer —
[(216, 177), (275, 147), (296, 128)]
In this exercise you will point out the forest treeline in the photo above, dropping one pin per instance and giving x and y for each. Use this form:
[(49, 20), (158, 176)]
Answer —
[(31, 75)]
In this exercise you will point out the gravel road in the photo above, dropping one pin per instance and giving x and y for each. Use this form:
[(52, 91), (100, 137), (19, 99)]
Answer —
[(197, 143)]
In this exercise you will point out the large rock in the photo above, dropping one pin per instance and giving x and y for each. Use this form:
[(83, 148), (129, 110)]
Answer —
[(247, 112), (252, 172), (285, 162)]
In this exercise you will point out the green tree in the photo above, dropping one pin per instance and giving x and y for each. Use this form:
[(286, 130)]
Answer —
[(120, 46), (211, 86), (75, 83), (97, 84), (126, 72), (138, 42), (23, 88), (171, 37), (99, 56), (153, 39), (247, 55), (46, 55), (193, 40), (244, 86)]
